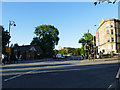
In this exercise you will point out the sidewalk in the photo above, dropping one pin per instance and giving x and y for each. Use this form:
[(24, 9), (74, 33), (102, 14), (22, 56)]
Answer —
[(50, 59)]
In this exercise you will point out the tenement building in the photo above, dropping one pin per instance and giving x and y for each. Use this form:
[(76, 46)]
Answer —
[(108, 36)]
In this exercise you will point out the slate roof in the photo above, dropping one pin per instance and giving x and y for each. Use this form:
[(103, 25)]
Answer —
[(27, 48)]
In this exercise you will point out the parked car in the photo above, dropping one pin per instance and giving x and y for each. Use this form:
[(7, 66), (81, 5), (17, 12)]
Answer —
[(60, 56)]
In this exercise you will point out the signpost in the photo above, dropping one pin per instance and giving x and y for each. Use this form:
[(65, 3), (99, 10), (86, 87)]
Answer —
[(8, 49)]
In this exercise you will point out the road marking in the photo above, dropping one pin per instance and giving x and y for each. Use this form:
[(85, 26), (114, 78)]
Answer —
[(13, 77), (18, 76), (34, 71), (112, 85)]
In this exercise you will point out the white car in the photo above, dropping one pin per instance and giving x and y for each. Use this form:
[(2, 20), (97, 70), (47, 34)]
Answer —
[(59, 56)]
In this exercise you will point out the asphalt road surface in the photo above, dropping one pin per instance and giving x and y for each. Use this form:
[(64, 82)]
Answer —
[(60, 74)]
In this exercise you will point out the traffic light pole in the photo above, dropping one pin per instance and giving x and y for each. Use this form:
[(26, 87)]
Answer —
[(93, 44)]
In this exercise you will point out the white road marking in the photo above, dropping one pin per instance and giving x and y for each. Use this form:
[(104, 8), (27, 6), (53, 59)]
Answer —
[(52, 71), (13, 77), (73, 64), (112, 85), (18, 76)]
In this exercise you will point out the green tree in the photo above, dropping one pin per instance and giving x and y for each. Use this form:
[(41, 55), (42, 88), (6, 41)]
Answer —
[(63, 52), (88, 37), (82, 52), (16, 45), (77, 52), (46, 38), (5, 38), (55, 51)]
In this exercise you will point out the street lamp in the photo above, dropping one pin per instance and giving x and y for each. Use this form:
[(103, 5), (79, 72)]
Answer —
[(93, 43), (93, 35), (10, 24)]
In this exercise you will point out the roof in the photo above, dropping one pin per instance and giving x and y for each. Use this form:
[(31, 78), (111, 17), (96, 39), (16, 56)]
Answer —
[(28, 48), (117, 20)]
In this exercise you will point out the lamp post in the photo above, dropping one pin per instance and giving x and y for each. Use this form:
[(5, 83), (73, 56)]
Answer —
[(10, 24), (93, 44), (93, 35)]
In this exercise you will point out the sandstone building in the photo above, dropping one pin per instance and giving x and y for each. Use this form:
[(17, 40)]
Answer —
[(108, 36)]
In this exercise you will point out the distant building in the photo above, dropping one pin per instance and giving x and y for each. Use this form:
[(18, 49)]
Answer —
[(108, 36), (28, 52)]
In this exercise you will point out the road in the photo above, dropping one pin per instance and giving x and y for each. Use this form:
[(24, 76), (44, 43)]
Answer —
[(60, 74)]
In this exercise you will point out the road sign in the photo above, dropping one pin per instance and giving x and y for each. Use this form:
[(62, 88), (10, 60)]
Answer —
[(8, 49)]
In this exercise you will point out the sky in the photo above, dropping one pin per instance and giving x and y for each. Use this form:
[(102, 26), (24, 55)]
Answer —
[(72, 19)]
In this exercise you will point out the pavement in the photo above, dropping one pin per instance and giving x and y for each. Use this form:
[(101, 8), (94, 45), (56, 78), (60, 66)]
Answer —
[(68, 59), (99, 73)]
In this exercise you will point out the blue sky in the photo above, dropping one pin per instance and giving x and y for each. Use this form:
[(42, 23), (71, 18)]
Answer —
[(72, 19)]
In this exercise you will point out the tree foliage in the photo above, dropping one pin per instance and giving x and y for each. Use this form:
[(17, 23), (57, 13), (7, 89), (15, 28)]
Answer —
[(5, 38), (55, 51), (70, 51), (46, 38), (88, 37), (63, 52), (77, 52)]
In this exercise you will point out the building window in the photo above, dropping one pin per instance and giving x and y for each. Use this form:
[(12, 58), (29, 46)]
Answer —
[(112, 39), (108, 32), (111, 24), (112, 31), (107, 25), (108, 39)]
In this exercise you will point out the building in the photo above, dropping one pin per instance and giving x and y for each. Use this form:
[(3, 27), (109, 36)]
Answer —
[(108, 36), (28, 52)]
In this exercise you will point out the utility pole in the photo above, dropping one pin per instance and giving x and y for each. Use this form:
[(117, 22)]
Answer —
[(10, 24), (93, 44)]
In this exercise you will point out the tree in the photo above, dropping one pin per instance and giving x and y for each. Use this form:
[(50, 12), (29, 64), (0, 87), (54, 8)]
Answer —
[(88, 37), (5, 38), (77, 52), (86, 40), (55, 51), (82, 52), (16, 45), (46, 38), (63, 52)]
